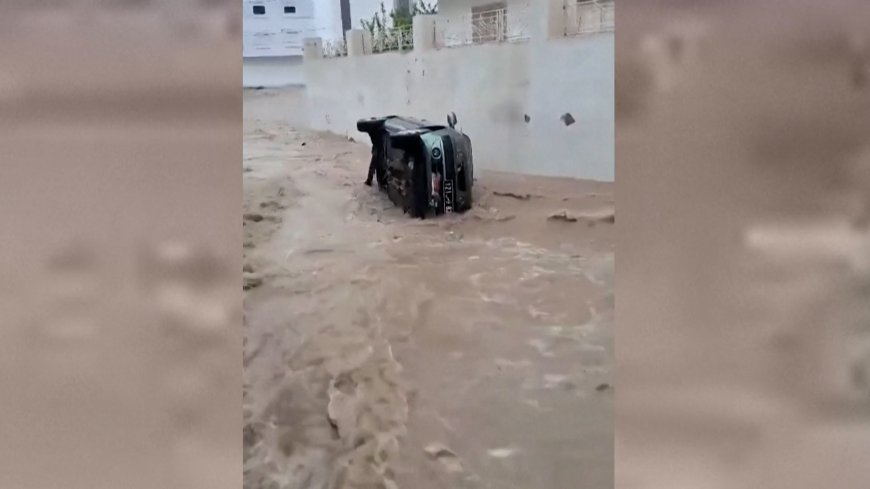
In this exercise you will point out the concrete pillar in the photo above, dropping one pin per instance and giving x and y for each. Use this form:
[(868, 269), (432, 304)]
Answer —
[(355, 44), (555, 18), (368, 42), (424, 32), (438, 30), (312, 48)]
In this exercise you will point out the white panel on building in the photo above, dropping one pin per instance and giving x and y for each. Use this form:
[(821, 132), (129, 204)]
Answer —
[(276, 27)]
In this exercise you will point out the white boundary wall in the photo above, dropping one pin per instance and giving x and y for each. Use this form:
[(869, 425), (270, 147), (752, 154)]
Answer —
[(272, 71), (491, 88)]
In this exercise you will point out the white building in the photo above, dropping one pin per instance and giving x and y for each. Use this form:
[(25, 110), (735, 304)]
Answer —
[(272, 40), (274, 30), (276, 27)]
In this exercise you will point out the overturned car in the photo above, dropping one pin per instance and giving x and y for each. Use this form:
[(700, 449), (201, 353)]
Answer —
[(424, 168)]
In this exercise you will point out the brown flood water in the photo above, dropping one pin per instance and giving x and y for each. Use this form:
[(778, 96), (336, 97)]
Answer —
[(382, 351)]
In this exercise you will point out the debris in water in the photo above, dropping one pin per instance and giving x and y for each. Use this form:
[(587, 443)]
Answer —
[(554, 380), (562, 216), (315, 251), (513, 195), (251, 281), (444, 455), (606, 216), (501, 452), (271, 205), (610, 218)]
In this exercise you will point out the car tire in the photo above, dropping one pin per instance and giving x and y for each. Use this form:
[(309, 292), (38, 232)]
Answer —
[(370, 125), (418, 198), (469, 185)]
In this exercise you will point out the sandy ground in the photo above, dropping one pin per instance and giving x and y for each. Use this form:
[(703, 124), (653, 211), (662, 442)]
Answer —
[(472, 351)]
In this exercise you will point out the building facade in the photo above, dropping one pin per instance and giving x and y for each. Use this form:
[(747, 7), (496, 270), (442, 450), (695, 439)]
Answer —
[(276, 27), (273, 33)]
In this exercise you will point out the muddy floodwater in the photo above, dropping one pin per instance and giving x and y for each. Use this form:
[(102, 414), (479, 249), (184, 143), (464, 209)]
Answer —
[(469, 351)]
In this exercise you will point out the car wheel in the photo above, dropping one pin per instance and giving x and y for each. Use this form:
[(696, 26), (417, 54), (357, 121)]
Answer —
[(370, 125)]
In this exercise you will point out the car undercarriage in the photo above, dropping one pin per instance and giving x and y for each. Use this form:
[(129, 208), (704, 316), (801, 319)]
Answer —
[(424, 168)]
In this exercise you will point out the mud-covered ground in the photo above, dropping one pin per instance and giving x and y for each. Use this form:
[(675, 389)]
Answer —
[(472, 351)]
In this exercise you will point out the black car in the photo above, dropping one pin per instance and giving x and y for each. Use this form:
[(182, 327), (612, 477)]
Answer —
[(425, 168)]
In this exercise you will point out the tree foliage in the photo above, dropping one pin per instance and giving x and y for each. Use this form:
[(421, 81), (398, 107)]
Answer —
[(385, 23)]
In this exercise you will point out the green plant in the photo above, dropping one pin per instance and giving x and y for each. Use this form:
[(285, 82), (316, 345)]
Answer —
[(378, 24), (384, 23), (425, 9)]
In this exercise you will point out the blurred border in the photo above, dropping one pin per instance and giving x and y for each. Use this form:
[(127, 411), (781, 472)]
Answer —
[(121, 256), (742, 318)]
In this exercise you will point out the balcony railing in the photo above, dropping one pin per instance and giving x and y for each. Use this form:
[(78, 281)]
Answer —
[(589, 17), (334, 48), (494, 25), (392, 39)]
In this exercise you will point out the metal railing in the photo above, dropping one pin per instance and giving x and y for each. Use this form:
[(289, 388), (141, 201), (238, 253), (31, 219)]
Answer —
[(392, 39), (489, 25), (493, 25), (335, 48), (589, 17)]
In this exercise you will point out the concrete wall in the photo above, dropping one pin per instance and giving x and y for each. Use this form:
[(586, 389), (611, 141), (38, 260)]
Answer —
[(272, 72), (491, 87)]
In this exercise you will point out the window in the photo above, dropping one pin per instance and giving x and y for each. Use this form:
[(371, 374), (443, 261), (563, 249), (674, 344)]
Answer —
[(489, 22), (289, 9), (259, 10)]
